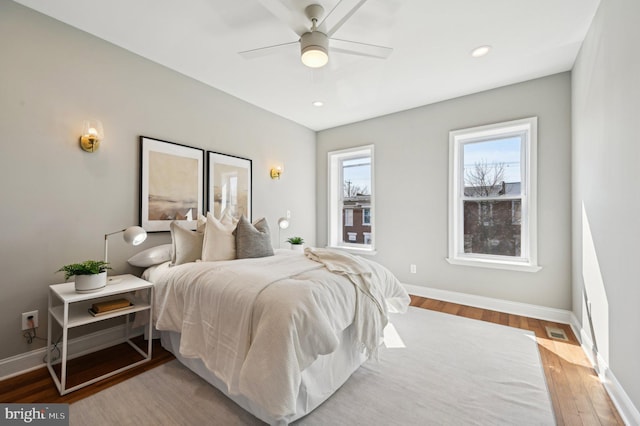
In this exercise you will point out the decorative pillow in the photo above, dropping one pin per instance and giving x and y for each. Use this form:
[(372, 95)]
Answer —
[(187, 244), (151, 256), (253, 240), (201, 223), (219, 242)]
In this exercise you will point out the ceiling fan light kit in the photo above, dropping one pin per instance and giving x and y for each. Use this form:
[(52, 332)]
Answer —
[(314, 45), (314, 48), (314, 42)]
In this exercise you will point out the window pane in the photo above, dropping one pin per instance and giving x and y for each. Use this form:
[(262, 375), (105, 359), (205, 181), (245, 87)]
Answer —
[(357, 176), (492, 227), (356, 173), (492, 167)]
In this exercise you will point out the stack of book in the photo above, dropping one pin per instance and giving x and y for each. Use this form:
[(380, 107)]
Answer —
[(108, 306)]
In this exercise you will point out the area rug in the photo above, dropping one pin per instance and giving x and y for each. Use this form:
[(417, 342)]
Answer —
[(438, 369)]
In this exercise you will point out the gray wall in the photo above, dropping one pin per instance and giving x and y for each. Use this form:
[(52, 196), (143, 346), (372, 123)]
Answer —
[(606, 194), (411, 178), (58, 201)]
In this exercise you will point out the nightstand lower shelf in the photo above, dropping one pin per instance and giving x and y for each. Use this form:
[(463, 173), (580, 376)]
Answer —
[(90, 368), (69, 309)]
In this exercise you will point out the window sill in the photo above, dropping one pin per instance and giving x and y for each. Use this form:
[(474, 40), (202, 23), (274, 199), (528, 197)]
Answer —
[(358, 251), (493, 264)]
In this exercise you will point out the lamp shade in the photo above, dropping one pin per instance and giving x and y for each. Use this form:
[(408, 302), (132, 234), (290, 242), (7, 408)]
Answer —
[(134, 235), (92, 134), (283, 223)]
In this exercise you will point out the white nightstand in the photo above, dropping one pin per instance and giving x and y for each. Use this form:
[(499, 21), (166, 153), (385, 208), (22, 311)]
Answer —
[(70, 309)]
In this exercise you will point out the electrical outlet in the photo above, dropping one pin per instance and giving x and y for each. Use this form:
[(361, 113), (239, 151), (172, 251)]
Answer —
[(412, 268), (25, 320)]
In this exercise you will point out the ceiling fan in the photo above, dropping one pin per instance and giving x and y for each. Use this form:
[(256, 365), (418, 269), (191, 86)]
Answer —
[(316, 41)]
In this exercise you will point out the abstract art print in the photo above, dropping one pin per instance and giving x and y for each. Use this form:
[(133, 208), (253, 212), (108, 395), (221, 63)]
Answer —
[(229, 180), (171, 184)]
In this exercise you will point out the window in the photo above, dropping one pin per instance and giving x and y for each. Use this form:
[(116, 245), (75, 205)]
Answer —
[(351, 198), (492, 196), (366, 216), (348, 217)]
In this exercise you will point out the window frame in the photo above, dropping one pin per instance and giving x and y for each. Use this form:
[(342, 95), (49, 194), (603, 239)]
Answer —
[(335, 192), (528, 259)]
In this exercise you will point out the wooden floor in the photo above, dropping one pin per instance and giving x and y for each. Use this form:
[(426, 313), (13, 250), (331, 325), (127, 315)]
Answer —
[(38, 386), (577, 394)]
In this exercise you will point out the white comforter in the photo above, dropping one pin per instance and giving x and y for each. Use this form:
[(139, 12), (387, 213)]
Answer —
[(258, 323)]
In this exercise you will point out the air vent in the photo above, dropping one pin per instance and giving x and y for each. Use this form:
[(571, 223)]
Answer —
[(557, 333)]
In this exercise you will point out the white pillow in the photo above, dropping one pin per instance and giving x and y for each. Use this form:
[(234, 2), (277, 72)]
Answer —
[(201, 223), (219, 242), (187, 244), (151, 256)]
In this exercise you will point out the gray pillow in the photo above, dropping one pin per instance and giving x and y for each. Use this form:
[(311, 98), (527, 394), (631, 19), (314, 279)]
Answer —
[(252, 240)]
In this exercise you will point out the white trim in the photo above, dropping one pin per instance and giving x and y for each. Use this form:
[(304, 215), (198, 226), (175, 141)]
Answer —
[(506, 306), (334, 202), (629, 413), (32, 360), (528, 260), (627, 410), (355, 250), (493, 264)]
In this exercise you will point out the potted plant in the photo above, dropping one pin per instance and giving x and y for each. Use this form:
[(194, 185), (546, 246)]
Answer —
[(91, 275), (297, 243)]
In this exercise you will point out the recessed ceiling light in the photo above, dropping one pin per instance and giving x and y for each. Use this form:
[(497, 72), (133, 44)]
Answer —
[(317, 103), (480, 51)]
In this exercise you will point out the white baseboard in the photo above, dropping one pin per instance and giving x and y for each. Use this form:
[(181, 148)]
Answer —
[(621, 400), (627, 410), (32, 360), (506, 306)]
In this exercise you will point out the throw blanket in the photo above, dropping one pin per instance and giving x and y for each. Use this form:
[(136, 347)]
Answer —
[(258, 323), (371, 309)]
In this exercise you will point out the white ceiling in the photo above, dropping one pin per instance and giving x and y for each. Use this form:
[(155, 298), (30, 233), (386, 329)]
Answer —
[(431, 62)]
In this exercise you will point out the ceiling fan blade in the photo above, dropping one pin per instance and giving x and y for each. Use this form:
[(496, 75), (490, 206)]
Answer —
[(340, 14), (294, 19), (361, 49), (264, 51)]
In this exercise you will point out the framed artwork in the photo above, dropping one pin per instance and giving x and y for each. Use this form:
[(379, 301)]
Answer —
[(171, 184), (229, 185)]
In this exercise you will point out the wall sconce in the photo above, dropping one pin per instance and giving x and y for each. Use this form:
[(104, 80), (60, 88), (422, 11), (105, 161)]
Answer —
[(276, 172), (92, 134)]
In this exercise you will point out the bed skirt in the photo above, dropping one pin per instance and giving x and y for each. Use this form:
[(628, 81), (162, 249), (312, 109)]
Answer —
[(319, 381)]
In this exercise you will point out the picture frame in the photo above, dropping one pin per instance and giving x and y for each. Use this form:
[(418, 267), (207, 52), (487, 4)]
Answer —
[(229, 185), (171, 184)]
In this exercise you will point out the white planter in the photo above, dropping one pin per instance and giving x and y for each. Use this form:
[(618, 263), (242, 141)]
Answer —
[(90, 283), (297, 247)]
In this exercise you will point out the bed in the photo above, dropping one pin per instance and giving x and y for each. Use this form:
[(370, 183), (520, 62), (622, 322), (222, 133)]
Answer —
[(278, 334)]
